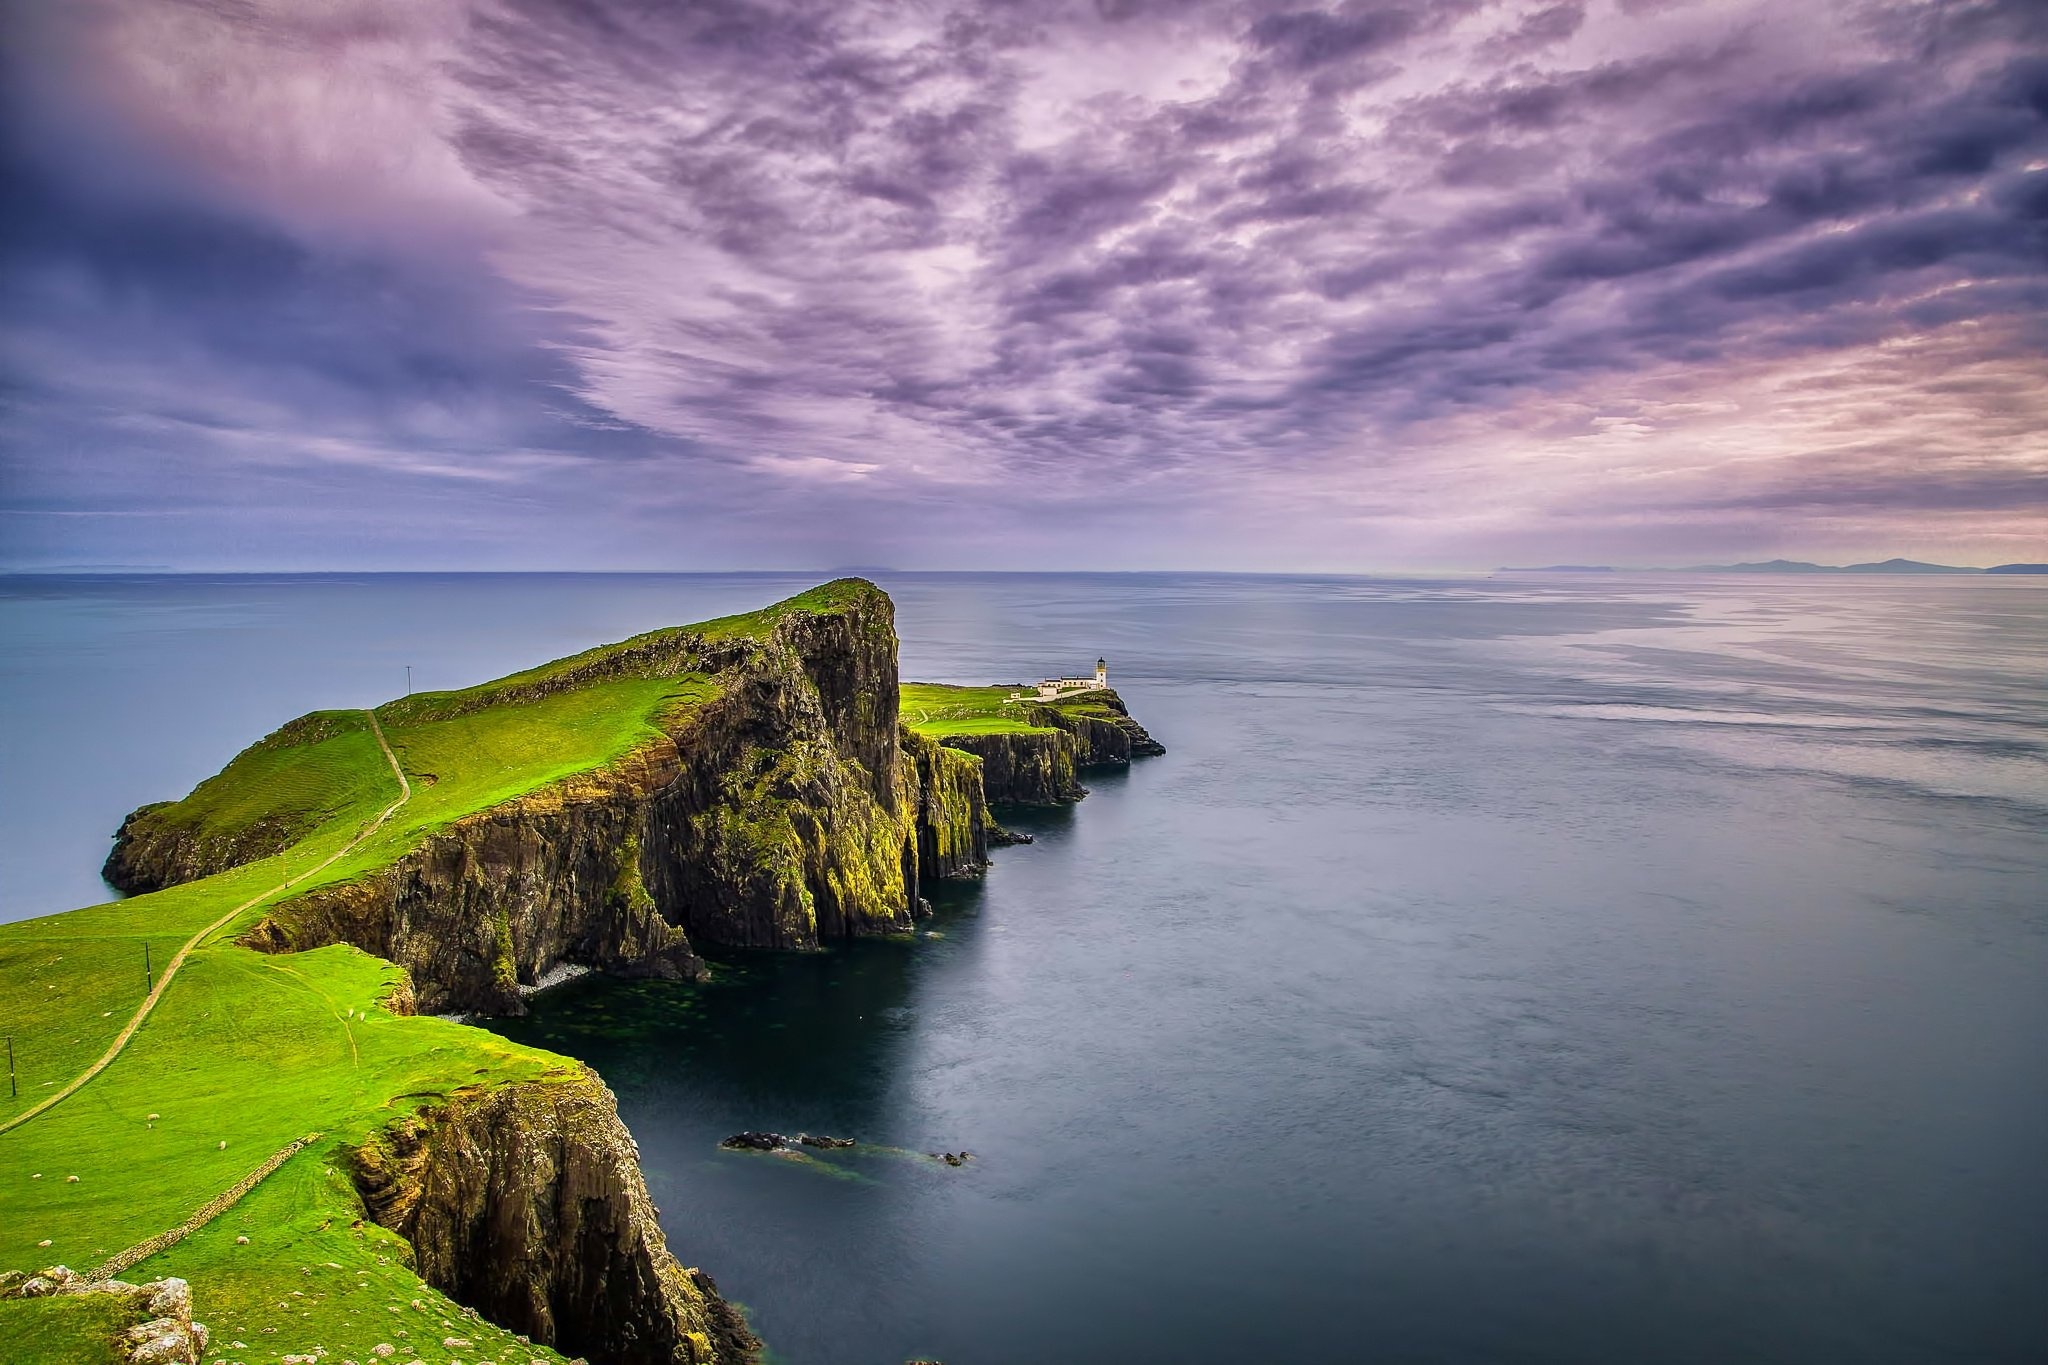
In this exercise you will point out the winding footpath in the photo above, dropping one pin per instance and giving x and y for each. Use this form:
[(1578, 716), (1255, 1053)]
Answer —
[(171, 969)]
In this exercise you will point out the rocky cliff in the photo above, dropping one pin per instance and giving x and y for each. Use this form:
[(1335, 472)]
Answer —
[(1042, 767), (526, 1203), (954, 827), (786, 808), (500, 898)]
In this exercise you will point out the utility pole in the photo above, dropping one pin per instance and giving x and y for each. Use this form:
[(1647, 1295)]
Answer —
[(148, 975), (12, 1090), (408, 680)]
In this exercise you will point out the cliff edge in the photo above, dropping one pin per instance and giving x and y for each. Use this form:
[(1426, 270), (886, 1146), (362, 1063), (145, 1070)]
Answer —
[(766, 799), (526, 1202), (759, 781)]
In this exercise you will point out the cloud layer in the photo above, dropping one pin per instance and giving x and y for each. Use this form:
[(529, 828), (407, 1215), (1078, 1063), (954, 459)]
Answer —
[(1247, 284)]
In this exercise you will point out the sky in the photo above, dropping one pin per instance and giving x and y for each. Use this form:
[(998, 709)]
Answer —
[(1248, 285)]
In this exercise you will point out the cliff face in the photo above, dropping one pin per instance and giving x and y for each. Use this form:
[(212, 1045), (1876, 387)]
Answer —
[(1042, 768), (147, 856), (1037, 769), (790, 821), (786, 811), (953, 823), (526, 1203), (498, 899)]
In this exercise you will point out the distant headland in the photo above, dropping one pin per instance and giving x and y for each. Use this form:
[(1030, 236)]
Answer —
[(1798, 566)]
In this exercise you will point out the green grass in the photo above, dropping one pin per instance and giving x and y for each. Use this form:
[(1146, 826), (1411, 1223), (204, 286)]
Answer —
[(252, 1051), (65, 1331), (319, 768), (936, 710), (247, 1052), (648, 654)]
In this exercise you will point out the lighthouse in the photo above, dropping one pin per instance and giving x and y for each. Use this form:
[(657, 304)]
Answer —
[(1102, 673)]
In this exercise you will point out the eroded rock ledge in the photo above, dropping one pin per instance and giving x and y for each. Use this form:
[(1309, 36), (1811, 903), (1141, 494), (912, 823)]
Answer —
[(1043, 768)]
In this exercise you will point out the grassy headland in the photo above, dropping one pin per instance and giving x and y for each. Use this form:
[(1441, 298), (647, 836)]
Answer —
[(936, 710), (248, 1052)]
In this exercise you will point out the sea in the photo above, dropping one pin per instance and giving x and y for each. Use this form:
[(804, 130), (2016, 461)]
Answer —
[(1554, 968)]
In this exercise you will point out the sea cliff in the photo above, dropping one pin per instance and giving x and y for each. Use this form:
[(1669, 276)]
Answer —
[(526, 1202), (1041, 765), (785, 808), (744, 783)]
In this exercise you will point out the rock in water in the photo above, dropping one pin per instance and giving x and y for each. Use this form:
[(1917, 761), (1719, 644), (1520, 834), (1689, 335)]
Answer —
[(754, 1142)]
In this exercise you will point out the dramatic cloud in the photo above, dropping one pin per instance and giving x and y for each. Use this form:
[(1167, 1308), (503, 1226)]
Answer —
[(1248, 284)]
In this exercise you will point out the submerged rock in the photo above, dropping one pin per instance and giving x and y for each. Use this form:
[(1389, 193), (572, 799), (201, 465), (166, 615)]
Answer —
[(780, 1142), (754, 1142)]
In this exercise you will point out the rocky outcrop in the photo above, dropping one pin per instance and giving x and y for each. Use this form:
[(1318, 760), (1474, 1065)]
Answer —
[(954, 827), (1042, 767), (782, 1142), (785, 807), (787, 810), (526, 1203), (501, 898), (163, 1332), (1102, 729)]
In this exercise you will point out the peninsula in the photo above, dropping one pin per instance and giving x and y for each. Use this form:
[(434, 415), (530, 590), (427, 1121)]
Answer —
[(244, 1098)]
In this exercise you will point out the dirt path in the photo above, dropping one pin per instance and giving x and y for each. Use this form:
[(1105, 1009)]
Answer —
[(171, 968)]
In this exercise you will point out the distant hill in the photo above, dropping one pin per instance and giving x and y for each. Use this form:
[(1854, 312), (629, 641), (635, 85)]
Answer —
[(1906, 566), (2018, 568), (1913, 566), (1765, 566)]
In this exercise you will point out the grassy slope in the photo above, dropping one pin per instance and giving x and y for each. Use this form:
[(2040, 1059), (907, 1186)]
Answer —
[(935, 710), (254, 1051)]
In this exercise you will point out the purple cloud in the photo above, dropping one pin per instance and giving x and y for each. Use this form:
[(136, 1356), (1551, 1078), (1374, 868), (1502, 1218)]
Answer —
[(1354, 283)]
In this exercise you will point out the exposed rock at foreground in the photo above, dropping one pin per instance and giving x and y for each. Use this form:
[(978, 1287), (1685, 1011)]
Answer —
[(527, 1204), (163, 1332)]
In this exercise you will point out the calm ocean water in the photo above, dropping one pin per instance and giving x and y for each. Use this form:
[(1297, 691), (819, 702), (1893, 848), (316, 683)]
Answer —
[(1539, 970)]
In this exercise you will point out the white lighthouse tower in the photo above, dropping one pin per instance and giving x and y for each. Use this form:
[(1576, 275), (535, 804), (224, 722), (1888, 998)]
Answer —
[(1102, 673)]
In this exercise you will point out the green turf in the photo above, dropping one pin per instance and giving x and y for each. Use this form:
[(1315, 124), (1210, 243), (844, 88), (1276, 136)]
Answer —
[(321, 767), (64, 1331), (829, 597), (247, 1052), (936, 710)]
